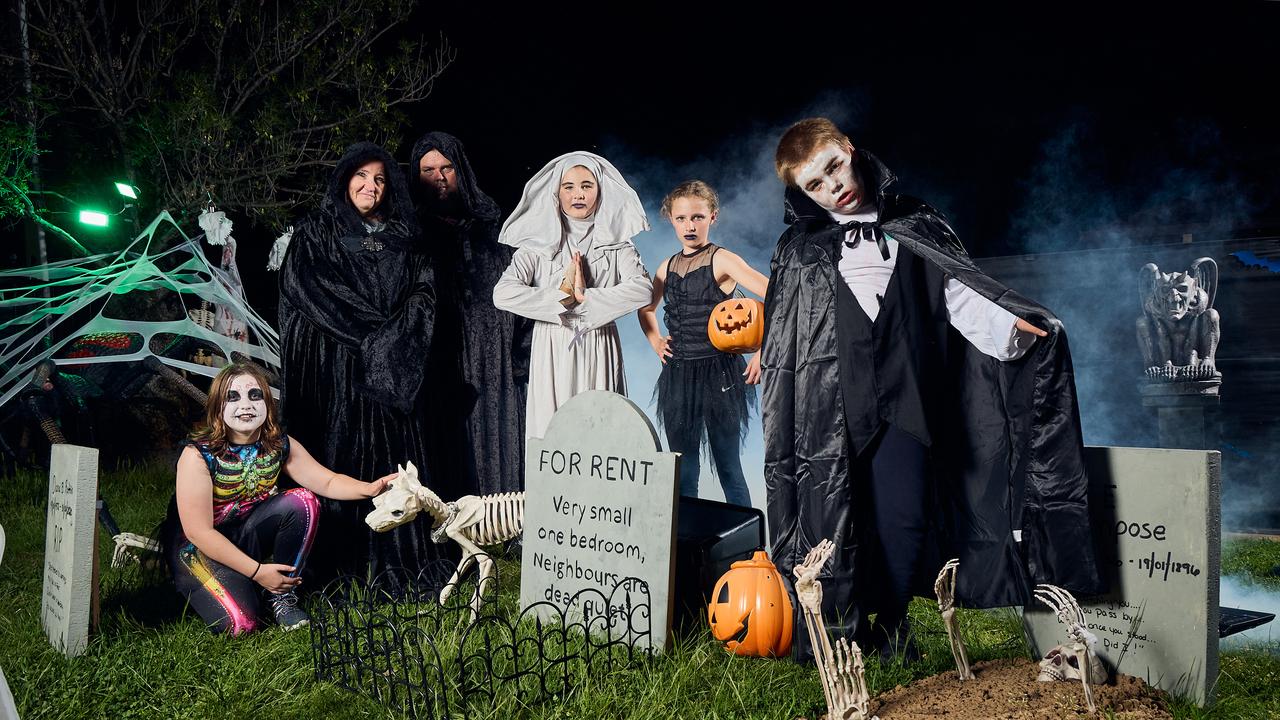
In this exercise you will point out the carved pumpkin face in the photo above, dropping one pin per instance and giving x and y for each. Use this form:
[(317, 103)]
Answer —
[(737, 325), (750, 611)]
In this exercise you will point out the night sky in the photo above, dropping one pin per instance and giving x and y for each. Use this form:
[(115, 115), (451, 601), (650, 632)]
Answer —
[(1033, 127), (976, 111)]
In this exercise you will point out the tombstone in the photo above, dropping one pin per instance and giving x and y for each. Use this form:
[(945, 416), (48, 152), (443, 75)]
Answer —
[(600, 506), (8, 711), (1156, 521), (70, 554)]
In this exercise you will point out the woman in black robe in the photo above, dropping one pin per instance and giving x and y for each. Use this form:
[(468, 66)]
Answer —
[(479, 354), (357, 307)]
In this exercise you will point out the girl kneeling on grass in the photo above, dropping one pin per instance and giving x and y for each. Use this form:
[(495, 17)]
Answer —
[(231, 517)]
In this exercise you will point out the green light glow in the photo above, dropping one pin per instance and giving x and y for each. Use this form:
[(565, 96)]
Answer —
[(127, 191), (92, 217)]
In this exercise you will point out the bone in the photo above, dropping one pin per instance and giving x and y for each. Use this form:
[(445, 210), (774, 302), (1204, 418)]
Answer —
[(945, 588)]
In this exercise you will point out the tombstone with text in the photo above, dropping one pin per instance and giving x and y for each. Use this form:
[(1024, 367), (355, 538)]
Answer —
[(600, 507), (1156, 521), (7, 707), (70, 586)]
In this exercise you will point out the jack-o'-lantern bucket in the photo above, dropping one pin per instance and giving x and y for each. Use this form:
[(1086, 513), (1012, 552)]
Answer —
[(750, 611), (737, 325)]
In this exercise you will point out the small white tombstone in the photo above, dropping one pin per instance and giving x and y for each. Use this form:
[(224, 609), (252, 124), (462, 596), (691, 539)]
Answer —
[(600, 507), (1156, 519), (8, 711), (70, 570)]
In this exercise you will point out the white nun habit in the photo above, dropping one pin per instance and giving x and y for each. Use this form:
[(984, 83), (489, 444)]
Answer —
[(578, 348)]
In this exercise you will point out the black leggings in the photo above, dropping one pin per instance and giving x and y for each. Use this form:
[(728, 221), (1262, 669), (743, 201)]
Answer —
[(281, 527)]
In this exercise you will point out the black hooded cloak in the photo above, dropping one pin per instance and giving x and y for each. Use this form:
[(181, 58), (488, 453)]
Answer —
[(1006, 443), (356, 312), (479, 363)]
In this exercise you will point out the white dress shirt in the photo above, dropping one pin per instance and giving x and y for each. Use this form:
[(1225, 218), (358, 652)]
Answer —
[(987, 326)]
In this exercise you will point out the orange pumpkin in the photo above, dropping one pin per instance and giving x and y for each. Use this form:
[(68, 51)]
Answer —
[(750, 611), (737, 325)]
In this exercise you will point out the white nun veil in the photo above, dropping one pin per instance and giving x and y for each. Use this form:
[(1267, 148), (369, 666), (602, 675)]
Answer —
[(538, 225)]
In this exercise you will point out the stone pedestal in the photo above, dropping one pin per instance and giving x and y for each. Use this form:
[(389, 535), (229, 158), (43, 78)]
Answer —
[(1184, 411)]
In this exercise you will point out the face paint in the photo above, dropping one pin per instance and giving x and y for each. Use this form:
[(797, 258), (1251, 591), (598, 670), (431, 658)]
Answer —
[(245, 410), (830, 179), (692, 219), (578, 193)]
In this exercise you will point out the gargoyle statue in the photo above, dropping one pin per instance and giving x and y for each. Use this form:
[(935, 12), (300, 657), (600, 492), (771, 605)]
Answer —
[(470, 521), (1076, 660), (1178, 331), (843, 683), (945, 588)]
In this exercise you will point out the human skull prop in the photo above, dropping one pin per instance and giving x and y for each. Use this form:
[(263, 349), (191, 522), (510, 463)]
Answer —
[(400, 503), (1060, 663)]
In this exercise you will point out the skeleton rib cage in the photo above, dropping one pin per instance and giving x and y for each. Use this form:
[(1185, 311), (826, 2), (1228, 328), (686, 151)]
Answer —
[(503, 519)]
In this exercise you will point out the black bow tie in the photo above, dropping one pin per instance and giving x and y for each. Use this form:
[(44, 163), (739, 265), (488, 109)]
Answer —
[(864, 231)]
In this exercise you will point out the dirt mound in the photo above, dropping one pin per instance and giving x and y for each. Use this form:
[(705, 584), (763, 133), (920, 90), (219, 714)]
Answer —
[(1008, 690)]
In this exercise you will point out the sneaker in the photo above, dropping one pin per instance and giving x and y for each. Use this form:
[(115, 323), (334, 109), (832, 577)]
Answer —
[(285, 607)]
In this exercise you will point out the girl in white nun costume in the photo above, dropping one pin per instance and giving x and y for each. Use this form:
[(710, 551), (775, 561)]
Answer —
[(575, 271)]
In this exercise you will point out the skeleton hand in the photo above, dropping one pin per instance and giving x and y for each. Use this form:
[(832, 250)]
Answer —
[(1068, 612), (808, 589), (849, 697), (945, 585)]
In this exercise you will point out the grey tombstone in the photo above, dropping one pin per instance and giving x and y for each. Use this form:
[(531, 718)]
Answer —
[(1156, 520), (70, 586), (8, 711), (600, 507)]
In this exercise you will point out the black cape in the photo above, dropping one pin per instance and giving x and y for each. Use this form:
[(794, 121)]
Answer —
[(1009, 458), (356, 312), (479, 363)]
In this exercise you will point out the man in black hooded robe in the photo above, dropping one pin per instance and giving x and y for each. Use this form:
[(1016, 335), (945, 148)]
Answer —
[(893, 434), (479, 363), (356, 314)]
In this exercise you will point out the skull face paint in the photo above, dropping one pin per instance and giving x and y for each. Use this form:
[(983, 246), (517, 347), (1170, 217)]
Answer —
[(245, 410), (830, 179)]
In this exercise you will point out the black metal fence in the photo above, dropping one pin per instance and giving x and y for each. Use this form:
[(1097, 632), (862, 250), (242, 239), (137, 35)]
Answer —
[(391, 638)]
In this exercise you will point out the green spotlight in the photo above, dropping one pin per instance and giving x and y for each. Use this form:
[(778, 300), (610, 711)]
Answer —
[(127, 191), (92, 217)]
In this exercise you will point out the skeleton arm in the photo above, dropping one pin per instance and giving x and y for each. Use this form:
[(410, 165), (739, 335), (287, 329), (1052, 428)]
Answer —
[(843, 683), (945, 588), (1068, 612)]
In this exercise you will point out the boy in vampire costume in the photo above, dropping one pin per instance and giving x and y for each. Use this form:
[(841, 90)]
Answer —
[(479, 364), (914, 408)]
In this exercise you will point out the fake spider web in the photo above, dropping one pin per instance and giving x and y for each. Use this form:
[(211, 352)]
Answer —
[(77, 312)]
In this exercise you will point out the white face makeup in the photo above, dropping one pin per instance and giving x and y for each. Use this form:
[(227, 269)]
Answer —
[(830, 179), (245, 410), (692, 219), (579, 192)]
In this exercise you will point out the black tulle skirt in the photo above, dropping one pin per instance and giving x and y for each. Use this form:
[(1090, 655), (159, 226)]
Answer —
[(694, 394)]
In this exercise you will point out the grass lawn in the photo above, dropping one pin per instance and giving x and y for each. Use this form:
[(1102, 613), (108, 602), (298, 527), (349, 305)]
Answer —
[(149, 661)]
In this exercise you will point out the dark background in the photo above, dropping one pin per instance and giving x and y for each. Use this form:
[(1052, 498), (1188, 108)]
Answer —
[(1039, 129), (961, 101)]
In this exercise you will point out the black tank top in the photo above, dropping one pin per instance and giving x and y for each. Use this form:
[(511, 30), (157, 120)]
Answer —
[(690, 294)]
